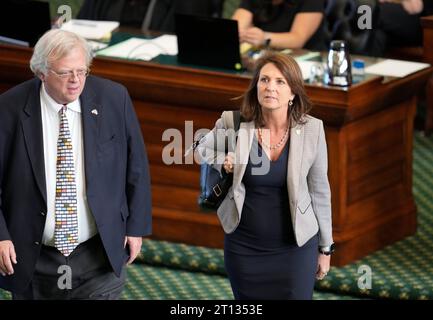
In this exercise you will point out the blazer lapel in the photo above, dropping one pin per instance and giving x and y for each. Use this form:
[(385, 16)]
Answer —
[(31, 122), (295, 162), (91, 114)]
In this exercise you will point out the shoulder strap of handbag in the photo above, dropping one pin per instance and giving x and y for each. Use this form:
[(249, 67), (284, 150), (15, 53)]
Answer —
[(232, 120)]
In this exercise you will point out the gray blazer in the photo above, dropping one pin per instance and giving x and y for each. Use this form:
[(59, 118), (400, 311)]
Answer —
[(307, 180)]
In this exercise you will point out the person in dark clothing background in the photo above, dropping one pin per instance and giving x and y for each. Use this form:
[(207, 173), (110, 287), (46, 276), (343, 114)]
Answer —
[(399, 24), (282, 23), (132, 12)]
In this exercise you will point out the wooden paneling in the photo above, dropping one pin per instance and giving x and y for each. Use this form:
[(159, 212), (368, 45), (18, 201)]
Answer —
[(381, 208), (366, 173), (200, 229), (368, 145), (379, 161), (174, 197), (427, 24), (381, 180), (337, 172)]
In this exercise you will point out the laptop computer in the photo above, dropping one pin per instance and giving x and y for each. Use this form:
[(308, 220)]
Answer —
[(208, 41), (23, 22)]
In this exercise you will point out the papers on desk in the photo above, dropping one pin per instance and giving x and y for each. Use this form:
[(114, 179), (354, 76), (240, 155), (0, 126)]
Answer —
[(142, 49), (95, 45), (167, 43), (245, 47), (307, 56), (395, 68), (91, 29), (305, 63), (305, 67)]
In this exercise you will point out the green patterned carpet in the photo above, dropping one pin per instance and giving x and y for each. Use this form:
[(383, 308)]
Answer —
[(403, 270), (165, 271)]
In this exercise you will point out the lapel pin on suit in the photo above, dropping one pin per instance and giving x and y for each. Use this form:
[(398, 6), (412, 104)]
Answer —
[(298, 131), (95, 112)]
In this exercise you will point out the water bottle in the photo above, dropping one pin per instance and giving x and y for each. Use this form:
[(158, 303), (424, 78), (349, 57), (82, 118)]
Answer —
[(339, 66), (358, 67)]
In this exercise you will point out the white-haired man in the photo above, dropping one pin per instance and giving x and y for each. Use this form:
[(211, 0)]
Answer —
[(74, 179)]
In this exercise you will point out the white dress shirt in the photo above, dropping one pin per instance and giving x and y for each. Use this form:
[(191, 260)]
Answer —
[(50, 127)]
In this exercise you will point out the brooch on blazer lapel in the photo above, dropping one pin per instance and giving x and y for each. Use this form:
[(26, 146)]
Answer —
[(95, 112)]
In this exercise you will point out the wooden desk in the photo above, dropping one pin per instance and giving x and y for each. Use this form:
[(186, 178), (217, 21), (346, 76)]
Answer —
[(368, 130)]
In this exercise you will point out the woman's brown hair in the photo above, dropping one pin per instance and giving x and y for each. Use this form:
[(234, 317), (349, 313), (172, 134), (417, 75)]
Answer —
[(251, 109)]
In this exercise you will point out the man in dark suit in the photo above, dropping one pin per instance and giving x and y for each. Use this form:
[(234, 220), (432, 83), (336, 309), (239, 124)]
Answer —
[(74, 179)]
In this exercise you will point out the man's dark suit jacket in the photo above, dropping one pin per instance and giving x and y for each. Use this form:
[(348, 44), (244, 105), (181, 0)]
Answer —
[(116, 167)]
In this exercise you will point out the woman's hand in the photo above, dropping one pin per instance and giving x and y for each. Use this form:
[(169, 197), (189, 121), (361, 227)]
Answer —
[(228, 164), (254, 36), (323, 266), (410, 6), (413, 6)]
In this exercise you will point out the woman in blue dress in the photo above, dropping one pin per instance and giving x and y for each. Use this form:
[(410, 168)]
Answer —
[(277, 215)]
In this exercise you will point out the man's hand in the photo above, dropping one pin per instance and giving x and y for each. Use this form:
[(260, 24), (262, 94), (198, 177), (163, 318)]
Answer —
[(134, 244), (7, 257)]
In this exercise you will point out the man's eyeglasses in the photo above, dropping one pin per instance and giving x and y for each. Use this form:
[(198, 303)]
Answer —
[(80, 73)]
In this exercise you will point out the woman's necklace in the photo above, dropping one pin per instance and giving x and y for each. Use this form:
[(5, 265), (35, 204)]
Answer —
[(274, 146)]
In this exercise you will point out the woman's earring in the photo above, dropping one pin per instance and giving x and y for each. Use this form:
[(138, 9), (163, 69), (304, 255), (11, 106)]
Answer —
[(290, 102)]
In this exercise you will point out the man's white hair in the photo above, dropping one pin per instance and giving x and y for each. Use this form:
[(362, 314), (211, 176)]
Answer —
[(56, 44)]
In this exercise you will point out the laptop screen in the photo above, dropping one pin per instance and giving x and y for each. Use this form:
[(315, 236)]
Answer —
[(23, 22), (208, 41)]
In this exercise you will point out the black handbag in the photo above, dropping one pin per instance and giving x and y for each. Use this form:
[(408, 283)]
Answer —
[(213, 184)]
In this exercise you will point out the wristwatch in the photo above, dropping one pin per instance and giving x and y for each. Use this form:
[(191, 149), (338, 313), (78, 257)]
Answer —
[(328, 250)]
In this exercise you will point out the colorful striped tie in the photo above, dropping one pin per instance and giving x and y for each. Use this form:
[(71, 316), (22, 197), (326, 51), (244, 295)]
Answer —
[(66, 228)]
